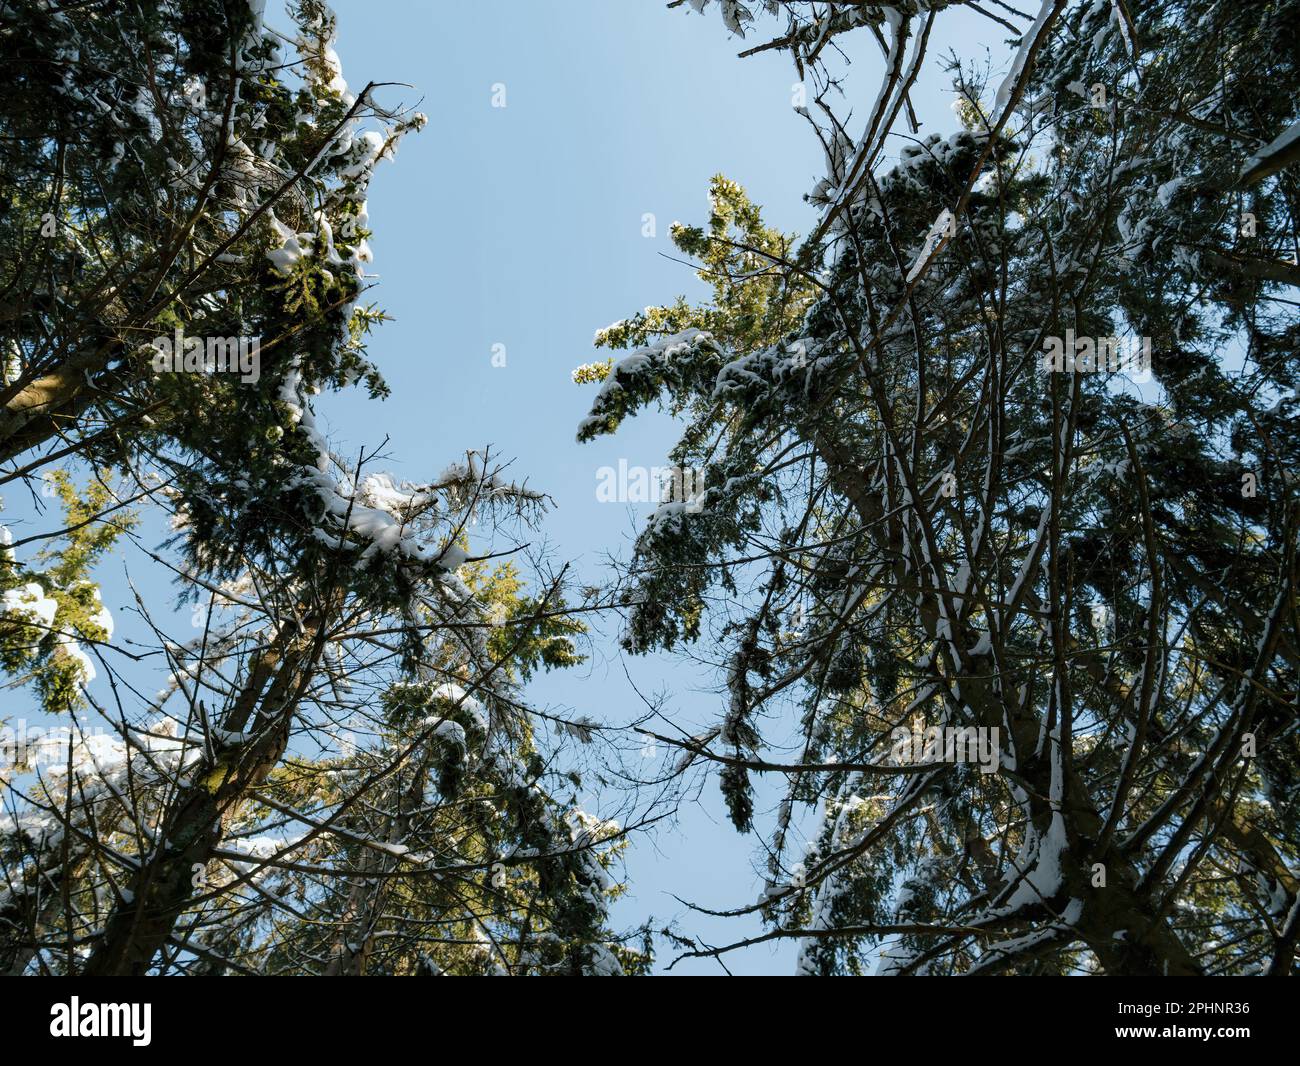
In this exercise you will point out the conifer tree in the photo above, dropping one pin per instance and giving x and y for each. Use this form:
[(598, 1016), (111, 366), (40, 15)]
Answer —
[(1009, 622), (340, 773)]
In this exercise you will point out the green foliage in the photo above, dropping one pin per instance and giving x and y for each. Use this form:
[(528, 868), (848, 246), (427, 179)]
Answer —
[(178, 173), (41, 647), (910, 517)]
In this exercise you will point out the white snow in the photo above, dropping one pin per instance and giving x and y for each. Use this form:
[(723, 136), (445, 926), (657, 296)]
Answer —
[(1283, 141), (939, 231), (1022, 55), (30, 601)]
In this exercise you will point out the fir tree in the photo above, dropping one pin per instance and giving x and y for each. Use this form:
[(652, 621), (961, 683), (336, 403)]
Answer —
[(341, 773), (915, 521)]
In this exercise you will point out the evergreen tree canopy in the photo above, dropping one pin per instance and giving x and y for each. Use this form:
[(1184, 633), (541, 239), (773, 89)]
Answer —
[(1009, 618), (340, 774)]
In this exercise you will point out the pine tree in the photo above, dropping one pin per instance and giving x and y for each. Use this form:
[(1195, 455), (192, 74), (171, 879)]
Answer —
[(341, 773), (936, 508)]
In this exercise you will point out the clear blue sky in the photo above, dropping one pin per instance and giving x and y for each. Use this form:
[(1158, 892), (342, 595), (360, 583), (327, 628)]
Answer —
[(521, 226)]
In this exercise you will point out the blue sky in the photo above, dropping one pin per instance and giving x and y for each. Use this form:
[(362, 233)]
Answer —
[(522, 226)]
